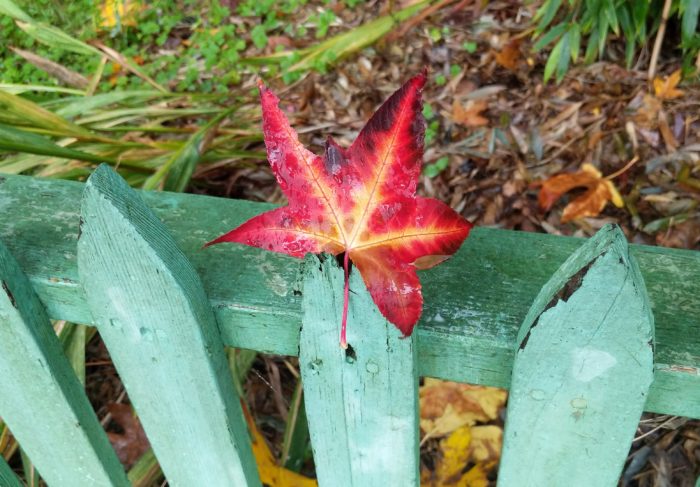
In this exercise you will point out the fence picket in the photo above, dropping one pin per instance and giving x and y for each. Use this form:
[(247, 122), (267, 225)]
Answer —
[(42, 401), (582, 371), (153, 314), (7, 476), (361, 404)]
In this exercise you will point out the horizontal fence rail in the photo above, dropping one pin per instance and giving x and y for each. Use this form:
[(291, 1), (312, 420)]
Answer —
[(475, 302)]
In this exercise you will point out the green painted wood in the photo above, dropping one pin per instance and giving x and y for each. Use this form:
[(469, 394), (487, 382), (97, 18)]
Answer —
[(7, 476), (582, 371), (361, 403), (156, 321), (474, 302), (42, 401)]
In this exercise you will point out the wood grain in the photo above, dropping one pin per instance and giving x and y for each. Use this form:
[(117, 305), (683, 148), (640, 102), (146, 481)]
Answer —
[(42, 401), (361, 403), (582, 371), (155, 319), (475, 302)]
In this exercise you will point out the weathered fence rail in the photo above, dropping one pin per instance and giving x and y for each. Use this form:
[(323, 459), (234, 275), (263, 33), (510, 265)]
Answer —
[(582, 354), (475, 302)]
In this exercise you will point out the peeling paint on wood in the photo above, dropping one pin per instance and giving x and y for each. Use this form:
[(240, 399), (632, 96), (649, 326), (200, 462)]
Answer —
[(474, 302), (581, 376)]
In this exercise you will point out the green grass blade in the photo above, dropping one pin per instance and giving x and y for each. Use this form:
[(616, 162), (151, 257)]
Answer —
[(31, 474), (15, 140), (178, 170), (56, 38), (73, 339), (10, 8), (145, 471), (16, 89), (295, 444), (342, 45), (17, 110)]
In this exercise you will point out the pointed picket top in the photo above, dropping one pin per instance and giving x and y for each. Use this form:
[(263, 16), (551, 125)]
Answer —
[(42, 400), (582, 371), (361, 402), (154, 316)]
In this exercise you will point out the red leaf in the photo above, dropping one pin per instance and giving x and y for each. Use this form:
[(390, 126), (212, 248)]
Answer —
[(362, 201)]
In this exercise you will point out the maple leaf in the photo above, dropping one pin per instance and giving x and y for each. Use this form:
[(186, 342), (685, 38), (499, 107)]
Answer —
[(599, 191), (665, 89), (360, 201)]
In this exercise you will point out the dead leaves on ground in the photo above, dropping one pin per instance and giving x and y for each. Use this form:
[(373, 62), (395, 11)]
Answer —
[(131, 442), (599, 191), (452, 410)]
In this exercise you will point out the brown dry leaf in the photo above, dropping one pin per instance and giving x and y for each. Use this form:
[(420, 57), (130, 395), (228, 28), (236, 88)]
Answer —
[(469, 115), (591, 203), (665, 89), (446, 406), (132, 442), (509, 56), (270, 472)]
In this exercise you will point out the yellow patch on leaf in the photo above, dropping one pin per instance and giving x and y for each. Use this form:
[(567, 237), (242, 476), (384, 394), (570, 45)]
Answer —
[(469, 115), (665, 89), (599, 191), (446, 406)]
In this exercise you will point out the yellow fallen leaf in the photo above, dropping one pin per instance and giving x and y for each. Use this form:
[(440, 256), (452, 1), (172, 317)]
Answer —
[(665, 89), (486, 443), (456, 452), (446, 406), (119, 12), (270, 472)]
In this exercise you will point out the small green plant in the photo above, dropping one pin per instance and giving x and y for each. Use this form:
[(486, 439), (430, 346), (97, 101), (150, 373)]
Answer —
[(570, 25)]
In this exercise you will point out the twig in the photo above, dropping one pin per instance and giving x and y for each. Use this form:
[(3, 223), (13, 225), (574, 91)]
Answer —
[(659, 40), (612, 176), (672, 418)]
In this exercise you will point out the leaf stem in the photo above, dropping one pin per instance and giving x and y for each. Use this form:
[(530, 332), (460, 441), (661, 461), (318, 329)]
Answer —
[(346, 300)]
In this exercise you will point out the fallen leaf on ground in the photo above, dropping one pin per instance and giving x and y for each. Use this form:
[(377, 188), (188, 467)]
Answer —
[(486, 444), (457, 452), (665, 89), (132, 442), (360, 201), (599, 191), (469, 115), (119, 12), (509, 56), (446, 406), (270, 472)]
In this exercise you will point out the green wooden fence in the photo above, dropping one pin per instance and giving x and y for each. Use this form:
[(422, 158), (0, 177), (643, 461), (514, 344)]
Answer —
[(585, 338)]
